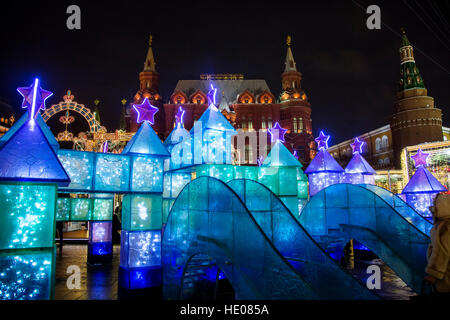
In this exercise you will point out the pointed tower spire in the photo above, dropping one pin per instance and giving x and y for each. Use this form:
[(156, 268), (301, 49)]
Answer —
[(149, 64), (290, 62), (410, 77)]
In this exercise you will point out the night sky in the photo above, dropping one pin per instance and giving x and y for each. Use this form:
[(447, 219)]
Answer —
[(350, 73)]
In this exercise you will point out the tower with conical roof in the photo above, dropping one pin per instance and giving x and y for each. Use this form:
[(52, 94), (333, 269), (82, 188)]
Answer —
[(295, 110), (415, 119), (148, 88)]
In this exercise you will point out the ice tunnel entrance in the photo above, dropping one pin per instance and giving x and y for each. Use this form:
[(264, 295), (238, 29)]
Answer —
[(203, 279)]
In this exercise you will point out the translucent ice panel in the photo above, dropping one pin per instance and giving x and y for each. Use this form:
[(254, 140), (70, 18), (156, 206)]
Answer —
[(345, 211), (174, 182), (141, 212), (140, 249), (321, 180), (112, 172), (80, 168), (147, 174), (63, 208), (27, 215), (81, 209), (103, 209), (26, 276), (100, 231)]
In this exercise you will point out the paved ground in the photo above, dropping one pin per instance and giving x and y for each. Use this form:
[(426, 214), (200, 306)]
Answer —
[(100, 282), (97, 282)]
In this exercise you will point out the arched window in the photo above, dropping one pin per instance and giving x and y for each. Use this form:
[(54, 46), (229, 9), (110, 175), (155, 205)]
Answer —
[(269, 122), (295, 124), (380, 162), (244, 123), (386, 161), (378, 144), (250, 123), (384, 142), (263, 122), (300, 124)]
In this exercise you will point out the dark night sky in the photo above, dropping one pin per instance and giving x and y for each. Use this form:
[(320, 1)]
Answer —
[(349, 72)]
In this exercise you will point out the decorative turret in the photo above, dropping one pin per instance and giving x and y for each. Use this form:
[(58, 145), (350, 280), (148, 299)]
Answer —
[(358, 170), (295, 111), (410, 77), (415, 119), (148, 88)]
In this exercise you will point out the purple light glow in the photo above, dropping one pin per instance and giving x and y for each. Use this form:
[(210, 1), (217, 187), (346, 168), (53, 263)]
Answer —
[(357, 146), (145, 111), (179, 117), (277, 129), (34, 98), (322, 141), (420, 158)]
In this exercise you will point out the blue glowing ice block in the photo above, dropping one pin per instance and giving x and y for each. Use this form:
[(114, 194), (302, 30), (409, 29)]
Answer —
[(358, 171), (100, 246), (147, 174), (141, 212), (140, 259), (81, 209), (282, 174), (27, 275), (28, 156), (212, 138), (174, 182), (27, 215), (63, 209), (40, 122), (421, 191), (322, 172), (80, 167), (112, 172), (179, 145), (103, 209)]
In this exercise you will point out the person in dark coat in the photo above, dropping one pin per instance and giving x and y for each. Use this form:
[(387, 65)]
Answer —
[(116, 226)]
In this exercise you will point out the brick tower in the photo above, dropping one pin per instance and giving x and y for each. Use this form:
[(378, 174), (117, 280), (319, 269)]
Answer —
[(415, 119), (295, 110), (148, 88)]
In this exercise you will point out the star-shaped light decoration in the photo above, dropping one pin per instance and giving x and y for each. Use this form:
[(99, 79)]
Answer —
[(420, 158), (179, 117), (357, 146), (145, 111), (322, 141), (34, 98), (277, 129)]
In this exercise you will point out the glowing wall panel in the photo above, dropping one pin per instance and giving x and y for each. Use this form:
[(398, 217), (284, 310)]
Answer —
[(63, 209), (140, 249), (27, 215), (112, 173), (321, 180), (80, 168), (174, 182), (147, 174), (84, 209), (103, 209), (27, 275), (81, 209), (141, 212)]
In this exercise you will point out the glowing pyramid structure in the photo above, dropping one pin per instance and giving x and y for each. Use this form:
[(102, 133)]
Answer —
[(146, 142), (175, 136), (213, 119), (358, 171), (280, 156), (423, 182), (323, 171), (179, 135), (28, 156), (323, 162), (40, 122)]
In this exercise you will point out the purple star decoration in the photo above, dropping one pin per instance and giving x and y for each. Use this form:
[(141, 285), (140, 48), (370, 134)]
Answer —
[(322, 141), (34, 98), (277, 129), (145, 111), (357, 146), (179, 117), (420, 158)]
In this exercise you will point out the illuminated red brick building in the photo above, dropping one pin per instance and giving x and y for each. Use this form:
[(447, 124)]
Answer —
[(248, 104)]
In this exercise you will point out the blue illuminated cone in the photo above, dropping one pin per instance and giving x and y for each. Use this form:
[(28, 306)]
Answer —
[(40, 122), (280, 156), (146, 142), (358, 171), (28, 156)]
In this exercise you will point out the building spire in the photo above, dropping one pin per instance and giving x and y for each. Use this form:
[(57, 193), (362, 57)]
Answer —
[(289, 63), (149, 64), (410, 77)]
